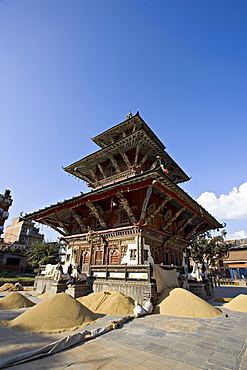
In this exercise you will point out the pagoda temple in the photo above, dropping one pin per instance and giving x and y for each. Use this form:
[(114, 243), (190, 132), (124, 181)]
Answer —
[(135, 214)]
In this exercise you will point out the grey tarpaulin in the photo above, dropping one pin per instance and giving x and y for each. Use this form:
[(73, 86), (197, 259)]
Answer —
[(165, 279), (61, 344)]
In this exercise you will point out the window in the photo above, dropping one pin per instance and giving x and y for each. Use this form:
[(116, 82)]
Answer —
[(114, 257), (86, 258)]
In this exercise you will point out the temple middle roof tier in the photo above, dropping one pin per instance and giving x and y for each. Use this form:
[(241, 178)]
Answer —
[(72, 216)]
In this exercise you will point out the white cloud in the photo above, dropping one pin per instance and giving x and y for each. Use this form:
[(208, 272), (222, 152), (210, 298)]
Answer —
[(227, 206), (242, 234)]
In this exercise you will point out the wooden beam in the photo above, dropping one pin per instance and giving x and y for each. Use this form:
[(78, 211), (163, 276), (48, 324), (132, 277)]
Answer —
[(78, 220), (102, 171), (162, 205), (114, 162), (126, 159), (170, 241), (169, 222), (183, 223), (83, 177), (143, 160), (92, 173), (44, 221), (125, 204), (145, 203), (194, 229), (61, 224), (137, 152), (96, 214)]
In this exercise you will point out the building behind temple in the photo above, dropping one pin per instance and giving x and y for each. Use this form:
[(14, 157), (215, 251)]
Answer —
[(136, 212), (22, 233)]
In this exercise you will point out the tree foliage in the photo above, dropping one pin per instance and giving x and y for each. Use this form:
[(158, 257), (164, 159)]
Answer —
[(42, 253), (209, 249)]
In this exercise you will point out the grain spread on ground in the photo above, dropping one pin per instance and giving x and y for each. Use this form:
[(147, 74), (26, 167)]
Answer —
[(109, 302), (238, 303), (182, 303), (7, 287), (58, 313), (14, 301)]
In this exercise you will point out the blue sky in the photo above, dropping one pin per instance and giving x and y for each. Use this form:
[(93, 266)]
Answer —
[(70, 69)]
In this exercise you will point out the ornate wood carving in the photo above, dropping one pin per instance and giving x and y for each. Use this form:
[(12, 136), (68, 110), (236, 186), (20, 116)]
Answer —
[(145, 203), (78, 220), (150, 213), (95, 212), (125, 204), (93, 237)]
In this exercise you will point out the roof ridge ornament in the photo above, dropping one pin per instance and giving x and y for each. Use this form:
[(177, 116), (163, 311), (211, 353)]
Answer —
[(130, 115)]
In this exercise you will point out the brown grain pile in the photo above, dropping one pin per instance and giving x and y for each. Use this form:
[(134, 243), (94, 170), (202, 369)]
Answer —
[(15, 300), (109, 302), (7, 287), (238, 303), (222, 299), (181, 302), (58, 313)]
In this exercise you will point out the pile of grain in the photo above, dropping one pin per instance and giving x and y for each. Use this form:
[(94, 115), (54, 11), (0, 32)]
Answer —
[(222, 299), (238, 303), (44, 295), (58, 313), (181, 302), (15, 300), (7, 287), (109, 302)]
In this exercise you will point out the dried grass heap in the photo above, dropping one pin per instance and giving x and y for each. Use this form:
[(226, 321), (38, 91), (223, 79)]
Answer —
[(108, 302), (182, 303), (238, 303), (58, 313), (14, 301)]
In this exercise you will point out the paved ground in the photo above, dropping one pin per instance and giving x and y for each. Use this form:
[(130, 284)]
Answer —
[(149, 342)]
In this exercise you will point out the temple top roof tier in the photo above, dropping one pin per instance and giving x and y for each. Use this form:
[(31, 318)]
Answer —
[(123, 129), (127, 149)]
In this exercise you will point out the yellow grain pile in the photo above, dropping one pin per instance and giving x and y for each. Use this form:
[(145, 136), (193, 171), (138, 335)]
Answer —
[(181, 302), (109, 302), (44, 295), (238, 303), (15, 300), (58, 313), (7, 287)]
